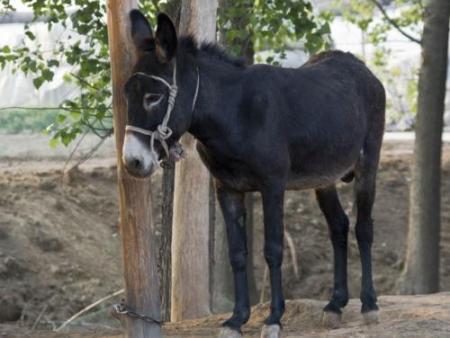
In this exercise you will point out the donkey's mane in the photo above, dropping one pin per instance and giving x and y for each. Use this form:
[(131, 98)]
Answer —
[(189, 45)]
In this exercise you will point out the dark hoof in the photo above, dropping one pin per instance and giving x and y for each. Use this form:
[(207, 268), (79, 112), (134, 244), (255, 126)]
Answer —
[(271, 331), (331, 320), (371, 317), (226, 332)]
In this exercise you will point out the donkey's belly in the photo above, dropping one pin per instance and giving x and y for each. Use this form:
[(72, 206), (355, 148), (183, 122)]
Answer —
[(315, 180), (238, 175), (325, 166)]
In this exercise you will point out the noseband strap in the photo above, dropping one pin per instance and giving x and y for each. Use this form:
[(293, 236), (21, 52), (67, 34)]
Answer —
[(163, 132)]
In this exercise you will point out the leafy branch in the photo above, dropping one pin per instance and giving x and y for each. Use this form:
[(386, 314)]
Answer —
[(271, 25), (83, 45), (395, 24)]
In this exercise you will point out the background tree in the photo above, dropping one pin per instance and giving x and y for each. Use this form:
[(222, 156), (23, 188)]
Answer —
[(421, 272), (426, 95)]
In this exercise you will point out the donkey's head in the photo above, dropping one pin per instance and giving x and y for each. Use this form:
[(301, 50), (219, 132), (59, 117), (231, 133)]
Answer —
[(159, 106)]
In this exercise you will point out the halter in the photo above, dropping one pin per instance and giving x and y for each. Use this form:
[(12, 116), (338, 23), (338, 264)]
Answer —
[(163, 131)]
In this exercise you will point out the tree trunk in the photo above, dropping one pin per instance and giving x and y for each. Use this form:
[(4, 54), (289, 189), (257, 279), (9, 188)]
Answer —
[(421, 273), (191, 228), (136, 224), (168, 186)]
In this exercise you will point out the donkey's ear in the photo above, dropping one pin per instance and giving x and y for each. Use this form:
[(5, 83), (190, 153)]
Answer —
[(165, 39), (141, 31)]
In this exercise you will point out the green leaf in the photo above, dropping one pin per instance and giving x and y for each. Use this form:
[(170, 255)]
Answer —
[(47, 74), (60, 118), (54, 142), (38, 82), (30, 35), (75, 115), (52, 63), (66, 139)]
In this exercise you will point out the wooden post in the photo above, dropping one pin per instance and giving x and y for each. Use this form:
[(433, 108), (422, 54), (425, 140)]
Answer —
[(168, 185), (191, 228), (136, 224)]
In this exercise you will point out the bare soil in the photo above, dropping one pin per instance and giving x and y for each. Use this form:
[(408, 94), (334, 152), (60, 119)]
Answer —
[(426, 316), (60, 251)]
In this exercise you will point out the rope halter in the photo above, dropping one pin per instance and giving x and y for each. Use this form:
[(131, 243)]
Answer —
[(163, 131)]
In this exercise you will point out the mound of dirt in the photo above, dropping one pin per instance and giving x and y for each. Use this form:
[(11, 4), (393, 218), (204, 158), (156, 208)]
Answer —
[(59, 247), (400, 316)]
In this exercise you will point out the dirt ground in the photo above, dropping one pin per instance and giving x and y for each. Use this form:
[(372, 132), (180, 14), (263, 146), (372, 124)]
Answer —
[(60, 251), (425, 316)]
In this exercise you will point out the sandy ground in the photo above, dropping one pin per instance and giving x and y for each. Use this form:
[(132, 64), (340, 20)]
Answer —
[(401, 316), (59, 248)]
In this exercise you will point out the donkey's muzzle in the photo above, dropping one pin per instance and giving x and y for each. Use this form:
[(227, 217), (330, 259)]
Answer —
[(137, 157)]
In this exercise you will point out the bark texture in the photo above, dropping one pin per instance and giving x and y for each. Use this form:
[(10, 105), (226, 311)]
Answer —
[(191, 220), (168, 185), (421, 273), (136, 223)]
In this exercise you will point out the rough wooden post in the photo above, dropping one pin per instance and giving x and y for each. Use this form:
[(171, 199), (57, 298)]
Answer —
[(136, 224), (191, 228), (168, 185)]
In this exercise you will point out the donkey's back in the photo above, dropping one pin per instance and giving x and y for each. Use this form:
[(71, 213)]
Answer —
[(321, 117)]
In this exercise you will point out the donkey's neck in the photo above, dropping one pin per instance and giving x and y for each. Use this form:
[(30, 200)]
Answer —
[(218, 99)]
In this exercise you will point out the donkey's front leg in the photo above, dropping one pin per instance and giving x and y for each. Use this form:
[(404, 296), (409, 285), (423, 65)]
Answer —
[(233, 209), (273, 199)]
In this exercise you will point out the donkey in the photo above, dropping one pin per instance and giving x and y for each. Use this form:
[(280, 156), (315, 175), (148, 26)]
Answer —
[(267, 129)]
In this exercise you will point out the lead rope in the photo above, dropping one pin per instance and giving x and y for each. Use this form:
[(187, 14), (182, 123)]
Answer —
[(163, 132)]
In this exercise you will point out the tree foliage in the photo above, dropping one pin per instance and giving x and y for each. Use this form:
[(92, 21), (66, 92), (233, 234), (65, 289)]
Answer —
[(376, 23), (271, 25), (85, 48), (407, 17)]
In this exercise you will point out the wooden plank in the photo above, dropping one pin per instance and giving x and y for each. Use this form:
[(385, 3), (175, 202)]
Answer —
[(191, 228), (136, 224)]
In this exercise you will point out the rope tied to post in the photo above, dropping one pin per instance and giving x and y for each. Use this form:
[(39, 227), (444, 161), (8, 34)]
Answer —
[(122, 309)]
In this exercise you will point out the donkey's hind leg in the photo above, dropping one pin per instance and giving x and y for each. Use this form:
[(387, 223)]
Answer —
[(365, 196), (338, 225)]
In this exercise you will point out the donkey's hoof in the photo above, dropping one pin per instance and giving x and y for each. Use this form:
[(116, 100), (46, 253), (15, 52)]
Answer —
[(226, 332), (331, 320), (371, 317), (271, 331)]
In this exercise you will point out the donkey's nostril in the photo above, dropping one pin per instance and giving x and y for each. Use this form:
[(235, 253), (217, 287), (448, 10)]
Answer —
[(136, 163)]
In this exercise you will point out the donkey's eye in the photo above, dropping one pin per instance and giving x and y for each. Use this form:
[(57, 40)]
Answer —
[(151, 101)]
